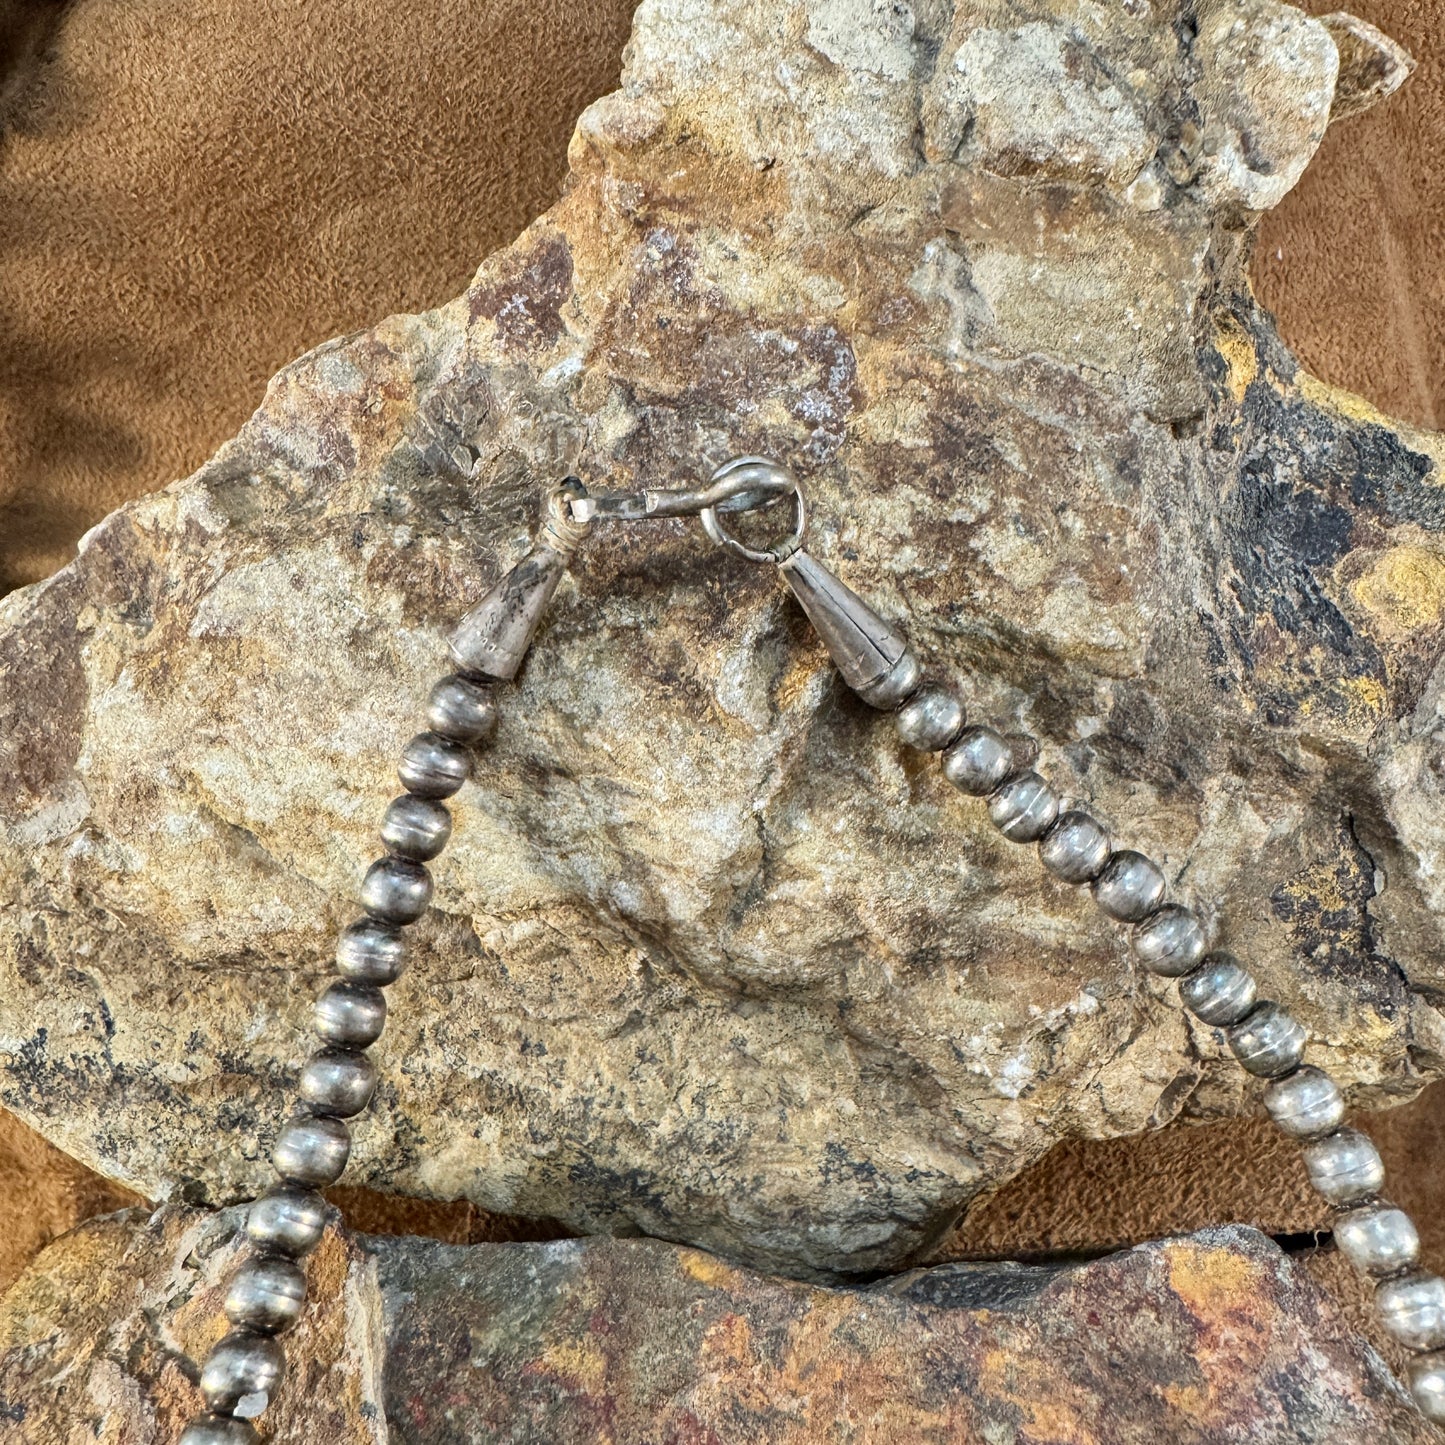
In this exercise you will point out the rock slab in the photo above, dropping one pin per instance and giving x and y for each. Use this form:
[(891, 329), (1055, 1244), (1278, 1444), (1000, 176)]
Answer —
[(1213, 1339), (713, 958)]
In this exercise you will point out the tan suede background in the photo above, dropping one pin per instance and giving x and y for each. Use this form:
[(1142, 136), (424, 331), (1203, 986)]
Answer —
[(192, 192)]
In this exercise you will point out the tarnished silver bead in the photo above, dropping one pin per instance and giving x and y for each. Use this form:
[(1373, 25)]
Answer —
[(287, 1220), (1427, 1385), (433, 766), (313, 1151), (370, 951), (1268, 1041), (396, 890), (351, 1015), (416, 828), (338, 1082), (1023, 809), (1170, 941), (1378, 1239), (1306, 1103), (219, 1430), (1344, 1166), (240, 1364), (462, 709), (1075, 848), (978, 762), (1413, 1310), (1129, 887), (266, 1294), (1220, 991), (931, 719)]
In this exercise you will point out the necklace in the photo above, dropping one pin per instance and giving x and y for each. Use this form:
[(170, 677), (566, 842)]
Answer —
[(873, 656)]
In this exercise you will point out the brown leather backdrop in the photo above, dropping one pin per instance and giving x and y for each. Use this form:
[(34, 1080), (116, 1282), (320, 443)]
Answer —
[(192, 192)]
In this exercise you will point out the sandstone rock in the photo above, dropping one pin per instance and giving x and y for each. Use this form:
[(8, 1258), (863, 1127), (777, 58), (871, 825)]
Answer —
[(1216, 1337), (713, 959)]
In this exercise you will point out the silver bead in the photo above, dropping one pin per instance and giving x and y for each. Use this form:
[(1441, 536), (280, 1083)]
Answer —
[(461, 709), (351, 1015), (338, 1082), (288, 1221), (242, 1363), (1268, 1041), (1427, 1385), (433, 766), (312, 1151), (930, 719), (266, 1294), (1305, 1104), (416, 828), (1075, 848), (1024, 808), (1219, 992), (1378, 1239), (1170, 941), (978, 762), (396, 890), (370, 951), (219, 1430), (1344, 1166), (1129, 887), (1413, 1310)]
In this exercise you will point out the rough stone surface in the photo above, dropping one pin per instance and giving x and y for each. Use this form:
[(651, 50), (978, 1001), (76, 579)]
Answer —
[(713, 958), (1216, 1337)]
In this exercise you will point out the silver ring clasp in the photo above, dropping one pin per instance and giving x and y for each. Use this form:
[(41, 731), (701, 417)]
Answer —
[(761, 483), (743, 484)]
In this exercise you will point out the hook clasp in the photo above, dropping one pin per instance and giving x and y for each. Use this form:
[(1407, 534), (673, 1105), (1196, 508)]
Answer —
[(744, 484)]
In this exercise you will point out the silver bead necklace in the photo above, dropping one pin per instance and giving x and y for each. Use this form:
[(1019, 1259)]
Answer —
[(266, 1293)]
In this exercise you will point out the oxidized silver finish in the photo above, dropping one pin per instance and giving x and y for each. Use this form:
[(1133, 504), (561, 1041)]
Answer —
[(1427, 1385), (287, 1220), (1413, 1310), (1170, 941), (742, 484), (433, 766), (978, 762), (349, 1014), (312, 1151), (462, 709), (370, 951), (338, 1082), (1129, 887), (747, 484), (1305, 1104), (1379, 1239), (266, 1294), (242, 1363), (396, 890), (931, 719), (1268, 1041), (493, 638), (872, 655), (1220, 991), (1023, 809), (1344, 1167), (416, 828), (1075, 848)]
